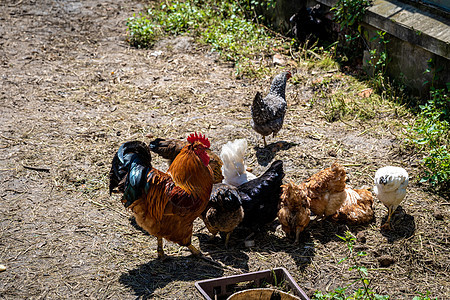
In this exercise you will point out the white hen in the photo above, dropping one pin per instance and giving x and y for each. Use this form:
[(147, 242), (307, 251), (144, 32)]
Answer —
[(390, 188), (234, 168)]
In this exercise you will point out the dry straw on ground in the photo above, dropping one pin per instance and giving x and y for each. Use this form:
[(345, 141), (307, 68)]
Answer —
[(72, 91)]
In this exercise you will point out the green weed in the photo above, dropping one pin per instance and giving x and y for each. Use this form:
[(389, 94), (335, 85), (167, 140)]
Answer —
[(348, 13), (424, 296), (364, 291), (431, 132), (142, 31)]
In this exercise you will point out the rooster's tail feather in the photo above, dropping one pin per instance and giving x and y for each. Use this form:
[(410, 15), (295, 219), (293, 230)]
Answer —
[(129, 167)]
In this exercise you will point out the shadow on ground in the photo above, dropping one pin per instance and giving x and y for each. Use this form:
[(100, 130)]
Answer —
[(267, 154), (403, 226), (156, 274)]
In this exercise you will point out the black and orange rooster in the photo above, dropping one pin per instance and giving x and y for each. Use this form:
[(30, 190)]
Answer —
[(164, 204)]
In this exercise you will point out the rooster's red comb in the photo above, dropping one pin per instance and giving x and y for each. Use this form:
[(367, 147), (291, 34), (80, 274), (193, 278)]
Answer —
[(199, 137)]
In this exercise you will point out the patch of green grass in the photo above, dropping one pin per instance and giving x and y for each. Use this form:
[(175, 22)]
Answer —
[(142, 31), (221, 24), (431, 133), (345, 98)]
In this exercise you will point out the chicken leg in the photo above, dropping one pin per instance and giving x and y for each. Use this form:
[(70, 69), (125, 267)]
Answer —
[(227, 238), (194, 250), (160, 249), (387, 225), (297, 234), (264, 139)]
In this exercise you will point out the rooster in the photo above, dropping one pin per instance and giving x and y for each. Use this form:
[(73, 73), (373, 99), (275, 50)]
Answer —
[(170, 148), (234, 168), (390, 188), (357, 208), (294, 212), (224, 211), (326, 189), (164, 204), (268, 112)]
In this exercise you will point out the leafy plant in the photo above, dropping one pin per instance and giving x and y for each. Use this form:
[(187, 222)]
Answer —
[(253, 8), (432, 128), (378, 61), (348, 13), (142, 31), (364, 291), (379, 58), (424, 296)]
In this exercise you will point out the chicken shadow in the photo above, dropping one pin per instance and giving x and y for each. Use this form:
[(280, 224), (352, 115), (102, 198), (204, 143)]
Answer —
[(302, 252), (267, 239), (156, 274), (267, 154), (403, 224), (234, 256), (326, 231)]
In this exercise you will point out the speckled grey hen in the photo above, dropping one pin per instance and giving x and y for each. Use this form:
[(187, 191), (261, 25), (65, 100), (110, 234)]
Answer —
[(268, 112)]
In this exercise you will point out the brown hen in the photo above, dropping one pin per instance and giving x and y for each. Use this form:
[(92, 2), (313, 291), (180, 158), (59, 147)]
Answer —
[(294, 209), (357, 208), (326, 190)]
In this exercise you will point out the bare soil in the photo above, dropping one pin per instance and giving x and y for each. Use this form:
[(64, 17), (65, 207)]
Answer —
[(72, 90)]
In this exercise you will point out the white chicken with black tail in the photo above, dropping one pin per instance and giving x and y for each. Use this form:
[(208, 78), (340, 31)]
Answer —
[(390, 188)]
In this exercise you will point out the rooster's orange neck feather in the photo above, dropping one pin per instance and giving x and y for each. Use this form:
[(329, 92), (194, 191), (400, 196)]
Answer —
[(198, 181)]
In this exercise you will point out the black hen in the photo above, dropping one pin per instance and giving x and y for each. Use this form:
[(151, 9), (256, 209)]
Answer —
[(310, 22), (268, 112), (260, 197), (224, 211)]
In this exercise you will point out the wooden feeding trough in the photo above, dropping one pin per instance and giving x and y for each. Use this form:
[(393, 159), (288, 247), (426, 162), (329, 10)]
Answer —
[(266, 282)]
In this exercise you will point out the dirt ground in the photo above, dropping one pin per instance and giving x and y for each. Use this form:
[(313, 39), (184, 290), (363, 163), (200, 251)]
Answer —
[(72, 90)]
